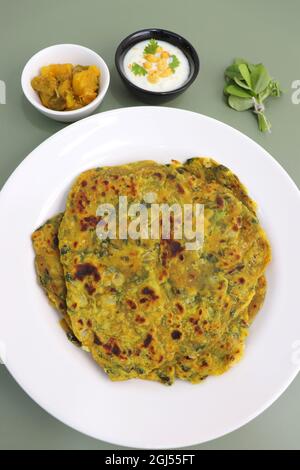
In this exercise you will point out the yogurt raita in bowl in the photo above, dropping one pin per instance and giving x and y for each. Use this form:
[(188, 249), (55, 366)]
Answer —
[(156, 66)]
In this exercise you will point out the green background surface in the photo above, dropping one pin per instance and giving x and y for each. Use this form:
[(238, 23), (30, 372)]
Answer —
[(259, 30)]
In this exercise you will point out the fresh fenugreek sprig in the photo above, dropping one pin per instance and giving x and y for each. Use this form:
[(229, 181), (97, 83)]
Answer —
[(248, 86)]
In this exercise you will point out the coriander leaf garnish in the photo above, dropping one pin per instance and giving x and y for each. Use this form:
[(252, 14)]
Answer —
[(174, 63), (138, 70), (151, 47), (248, 86)]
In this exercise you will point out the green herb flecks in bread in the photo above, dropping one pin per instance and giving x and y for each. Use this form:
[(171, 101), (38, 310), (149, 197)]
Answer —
[(150, 308)]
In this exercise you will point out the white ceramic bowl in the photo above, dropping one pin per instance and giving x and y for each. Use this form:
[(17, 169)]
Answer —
[(62, 54)]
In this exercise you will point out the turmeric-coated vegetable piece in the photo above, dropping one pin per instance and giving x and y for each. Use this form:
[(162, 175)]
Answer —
[(64, 87), (85, 84)]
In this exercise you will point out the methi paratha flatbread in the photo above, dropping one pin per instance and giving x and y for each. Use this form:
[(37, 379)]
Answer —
[(105, 289), (150, 308)]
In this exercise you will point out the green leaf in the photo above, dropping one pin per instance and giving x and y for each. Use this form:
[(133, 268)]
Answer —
[(174, 63), (264, 94), (225, 89), (241, 83), (151, 47), (240, 104), (275, 88), (138, 69), (233, 71), (239, 61), (260, 78), (245, 74), (237, 91), (248, 86)]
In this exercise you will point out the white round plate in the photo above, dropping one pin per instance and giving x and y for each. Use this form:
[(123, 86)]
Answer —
[(63, 379)]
